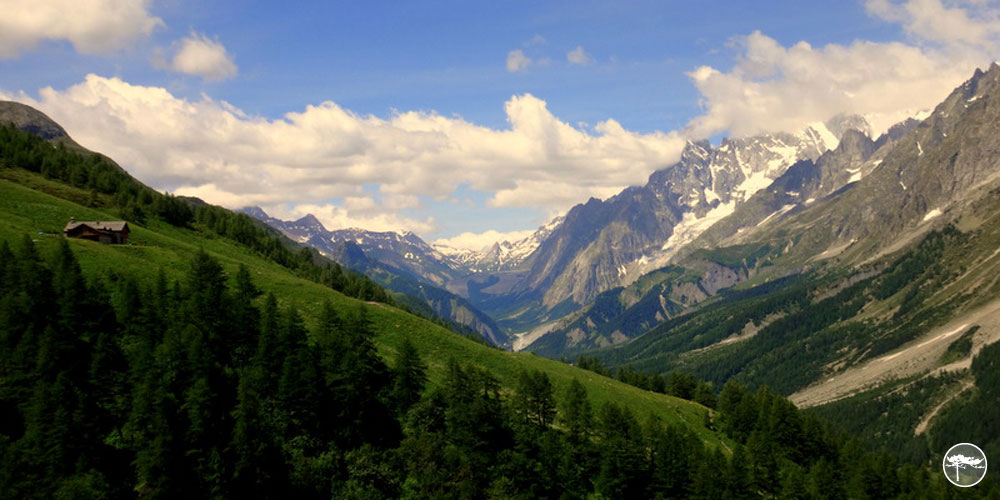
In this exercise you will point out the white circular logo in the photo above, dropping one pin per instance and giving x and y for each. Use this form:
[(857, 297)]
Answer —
[(964, 465)]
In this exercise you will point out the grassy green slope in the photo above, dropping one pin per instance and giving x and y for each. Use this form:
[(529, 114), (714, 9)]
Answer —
[(31, 204)]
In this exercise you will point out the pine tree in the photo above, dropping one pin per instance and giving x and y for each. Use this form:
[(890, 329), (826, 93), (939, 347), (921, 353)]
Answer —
[(794, 483), (258, 461), (706, 484), (270, 352), (704, 395), (763, 463), (475, 423), (409, 377), (299, 387), (245, 318), (362, 382), (737, 477), (577, 464), (668, 462), (533, 400), (623, 471), (208, 303)]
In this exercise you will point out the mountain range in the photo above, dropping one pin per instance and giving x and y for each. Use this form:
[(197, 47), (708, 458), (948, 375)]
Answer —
[(401, 262), (531, 284), (866, 286), (846, 271), (780, 259)]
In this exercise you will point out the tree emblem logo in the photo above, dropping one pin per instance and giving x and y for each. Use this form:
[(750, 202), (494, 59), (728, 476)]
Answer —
[(964, 465)]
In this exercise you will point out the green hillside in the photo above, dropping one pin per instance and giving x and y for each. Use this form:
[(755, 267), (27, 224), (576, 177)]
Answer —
[(44, 207)]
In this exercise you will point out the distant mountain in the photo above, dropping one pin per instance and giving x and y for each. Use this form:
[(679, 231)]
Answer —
[(696, 271), (424, 296), (600, 245), (502, 255), (594, 249), (401, 262), (404, 251), (861, 286)]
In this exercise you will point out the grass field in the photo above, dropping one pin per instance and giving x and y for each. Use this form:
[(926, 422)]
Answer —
[(32, 205)]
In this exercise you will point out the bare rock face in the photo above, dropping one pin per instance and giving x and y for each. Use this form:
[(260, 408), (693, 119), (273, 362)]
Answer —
[(718, 277), (849, 203), (599, 242), (637, 308), (933, 164), (30, 120)]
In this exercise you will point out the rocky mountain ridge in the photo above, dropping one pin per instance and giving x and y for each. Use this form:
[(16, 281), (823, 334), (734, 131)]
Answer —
[(403, 250), (663, 290), (603, 244), (913, 181), (399, 261)]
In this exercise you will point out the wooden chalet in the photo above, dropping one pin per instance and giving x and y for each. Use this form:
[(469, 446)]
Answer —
[(112, 232)]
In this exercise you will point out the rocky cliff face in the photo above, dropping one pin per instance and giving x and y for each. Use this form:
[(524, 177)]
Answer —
[(31, 120), (912, 182), (802, 185), (601, 243), (850, 205), (651, 297)]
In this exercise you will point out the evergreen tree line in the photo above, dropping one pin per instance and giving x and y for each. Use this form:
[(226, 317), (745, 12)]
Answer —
[(136, 203), (205, 388), (675, 383), (93, 172)]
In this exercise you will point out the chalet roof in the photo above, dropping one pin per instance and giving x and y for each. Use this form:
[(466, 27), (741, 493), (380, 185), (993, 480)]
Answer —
[(115, 225)]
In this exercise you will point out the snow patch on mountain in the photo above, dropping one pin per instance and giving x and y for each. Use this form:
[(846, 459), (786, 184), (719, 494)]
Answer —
[(827, 138), (777, 213), (736, 170), (855, 175), (690, 227)]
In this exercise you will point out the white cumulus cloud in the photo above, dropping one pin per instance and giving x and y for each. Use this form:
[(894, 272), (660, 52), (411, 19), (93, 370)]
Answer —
[(774, 87), (517, 61), (975, 23), (479, 241), (92, 26), (579, 56), (201, 56), (342, 217), (306, 158), (212, 150)]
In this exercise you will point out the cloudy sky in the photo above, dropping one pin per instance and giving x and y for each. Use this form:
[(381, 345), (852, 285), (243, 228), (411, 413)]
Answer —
[(462, 121)]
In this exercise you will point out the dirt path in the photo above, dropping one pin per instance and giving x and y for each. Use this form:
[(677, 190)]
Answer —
[(918, 356), (926, 420)]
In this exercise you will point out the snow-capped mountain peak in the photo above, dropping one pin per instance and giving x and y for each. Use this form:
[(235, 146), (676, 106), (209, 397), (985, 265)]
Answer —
[(501, 255)]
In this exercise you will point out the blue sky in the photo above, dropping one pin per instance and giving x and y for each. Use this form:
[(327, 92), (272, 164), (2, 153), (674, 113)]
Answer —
[(489, 146), (373, 57)]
